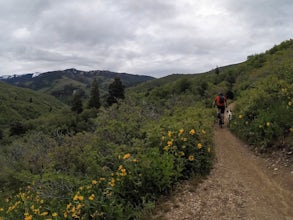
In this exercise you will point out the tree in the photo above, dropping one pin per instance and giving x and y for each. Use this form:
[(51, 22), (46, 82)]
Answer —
[(217, 71), (202, 88), (77, 103), (17, 128), (94, 101), (183, 85), (116, 91)]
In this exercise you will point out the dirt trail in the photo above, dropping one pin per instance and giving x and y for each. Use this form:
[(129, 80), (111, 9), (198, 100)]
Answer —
[(240, 187)]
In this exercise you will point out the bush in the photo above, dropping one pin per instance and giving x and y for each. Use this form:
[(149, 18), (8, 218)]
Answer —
[(264, 115), (115, 179)]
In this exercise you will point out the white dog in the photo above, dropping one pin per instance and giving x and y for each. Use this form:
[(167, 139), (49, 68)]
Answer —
[(229, 114)]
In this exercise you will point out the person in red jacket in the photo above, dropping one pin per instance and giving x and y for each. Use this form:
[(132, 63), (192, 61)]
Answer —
[(221, 103)]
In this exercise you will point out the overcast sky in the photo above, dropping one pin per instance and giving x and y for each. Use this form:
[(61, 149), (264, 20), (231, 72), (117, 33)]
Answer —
[(146, 37)]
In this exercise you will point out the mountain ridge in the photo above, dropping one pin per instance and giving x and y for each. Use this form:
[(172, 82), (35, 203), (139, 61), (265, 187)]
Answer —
[(62, 83)]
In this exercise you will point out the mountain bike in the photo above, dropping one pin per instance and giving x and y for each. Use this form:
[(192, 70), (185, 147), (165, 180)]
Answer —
[(220, 117)]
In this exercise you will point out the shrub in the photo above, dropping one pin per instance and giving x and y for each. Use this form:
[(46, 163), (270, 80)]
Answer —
[(88, 180), (264, 114)]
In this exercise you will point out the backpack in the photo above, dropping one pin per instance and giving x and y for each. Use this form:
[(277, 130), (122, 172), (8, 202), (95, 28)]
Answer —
[(222, 99)]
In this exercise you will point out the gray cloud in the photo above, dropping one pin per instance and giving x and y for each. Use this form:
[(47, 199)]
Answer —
[(142, 37)]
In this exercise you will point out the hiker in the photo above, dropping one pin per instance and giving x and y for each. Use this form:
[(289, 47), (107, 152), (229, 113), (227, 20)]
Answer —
[(221, 103)]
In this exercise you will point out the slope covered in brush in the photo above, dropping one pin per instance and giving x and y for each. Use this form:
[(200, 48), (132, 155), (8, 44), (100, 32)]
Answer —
[(19, 104)]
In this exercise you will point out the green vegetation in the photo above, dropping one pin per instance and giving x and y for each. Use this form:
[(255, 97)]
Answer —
[(62, 84), (111, 162), (125, 165), (116, 91), (20, 105), (264, 106), (94, 100)]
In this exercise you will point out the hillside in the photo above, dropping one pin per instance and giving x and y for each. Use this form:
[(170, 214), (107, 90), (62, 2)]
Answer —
[(116, 161), (261, 87), (20, 104), (276, 61), (63, 83)]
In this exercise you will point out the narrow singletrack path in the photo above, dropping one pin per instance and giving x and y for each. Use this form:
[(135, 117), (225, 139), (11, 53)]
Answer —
[(240, 186)]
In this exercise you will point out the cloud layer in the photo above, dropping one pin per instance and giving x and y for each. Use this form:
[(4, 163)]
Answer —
[(147, 37)]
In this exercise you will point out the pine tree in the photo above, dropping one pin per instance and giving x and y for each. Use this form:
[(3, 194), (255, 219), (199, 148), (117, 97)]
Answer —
[(116, 91), (76, 103), (217, 71), (94, 101)]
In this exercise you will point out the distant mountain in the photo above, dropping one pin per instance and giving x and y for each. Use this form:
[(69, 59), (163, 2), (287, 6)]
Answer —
[(63, 83)]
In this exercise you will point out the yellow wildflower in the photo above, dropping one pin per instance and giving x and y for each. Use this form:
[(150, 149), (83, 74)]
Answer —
[(123, 172), (181, 131), (75, 197), (102, 179), (191, 158), (78, 197), (54, 214), (94, 182), (44, 213), (36, 211), (203, 131), (290, 103), (92, 197), (192, 132), (134, 160), (65, 214), (126, 156), (163, 138), (268, 124), (240, 116), (169, 133), (68, 206), (209, 149), (79, 206), (28, 217), (169, 143), (112, 183), (199, 145), (166, 148)]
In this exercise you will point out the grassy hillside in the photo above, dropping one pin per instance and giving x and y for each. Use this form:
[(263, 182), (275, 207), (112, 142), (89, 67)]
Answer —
[(19, 104)]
